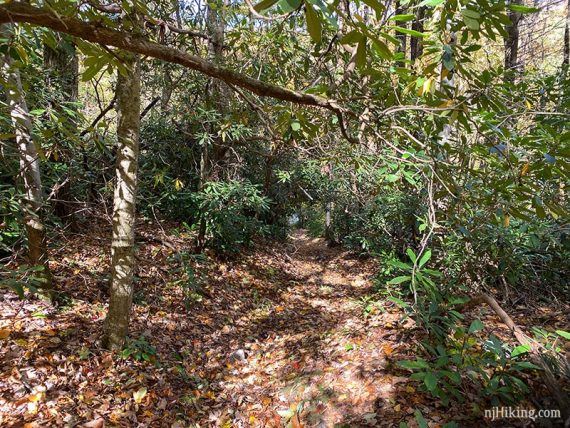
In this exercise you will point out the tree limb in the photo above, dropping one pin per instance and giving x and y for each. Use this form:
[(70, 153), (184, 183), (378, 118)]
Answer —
[(149, 106), (100, 116), (22, 12)]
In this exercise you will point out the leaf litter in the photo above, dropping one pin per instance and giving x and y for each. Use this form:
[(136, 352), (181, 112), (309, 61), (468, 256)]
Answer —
[(278, 337)]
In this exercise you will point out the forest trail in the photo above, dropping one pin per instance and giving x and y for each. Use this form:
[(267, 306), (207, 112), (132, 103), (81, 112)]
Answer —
[(312, 357), (283, 335), (152, 160)]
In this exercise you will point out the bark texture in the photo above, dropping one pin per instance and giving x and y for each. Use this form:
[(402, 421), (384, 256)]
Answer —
[(212, 159), (29, 173), (416, 46), (512, 66), (566, 58), (400, 10), (124, 211), (219, 92)]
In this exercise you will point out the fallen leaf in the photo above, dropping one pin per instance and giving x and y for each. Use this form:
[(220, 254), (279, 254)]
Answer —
[(139, 395), (162, 404), (34, 398), (95, 423)]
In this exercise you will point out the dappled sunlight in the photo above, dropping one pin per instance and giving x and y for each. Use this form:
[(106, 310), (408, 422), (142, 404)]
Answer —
[(288, 318), (275, 336), (284, 213)]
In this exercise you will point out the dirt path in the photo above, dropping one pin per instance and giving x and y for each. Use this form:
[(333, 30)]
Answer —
[(311, 355), (279, 337)]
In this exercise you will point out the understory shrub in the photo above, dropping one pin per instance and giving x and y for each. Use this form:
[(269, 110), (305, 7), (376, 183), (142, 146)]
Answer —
[(229, 211)]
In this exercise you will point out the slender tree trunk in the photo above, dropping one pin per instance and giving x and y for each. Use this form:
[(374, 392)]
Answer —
[(212, 157), (400, 10), (447, 83), (328, 222), (29, 173), (329, 208), (204, 176), (512, 66), (166, 92), (219, 91), (416, 47), (566, 58), (124, 213)]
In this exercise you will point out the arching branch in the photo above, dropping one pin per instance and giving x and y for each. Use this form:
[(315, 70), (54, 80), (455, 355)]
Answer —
[(97, 33)]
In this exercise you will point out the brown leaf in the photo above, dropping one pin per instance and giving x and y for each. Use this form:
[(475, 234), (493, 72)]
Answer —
[(95, 423)]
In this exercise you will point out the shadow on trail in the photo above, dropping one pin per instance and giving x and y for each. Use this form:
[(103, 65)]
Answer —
[(270, 332)]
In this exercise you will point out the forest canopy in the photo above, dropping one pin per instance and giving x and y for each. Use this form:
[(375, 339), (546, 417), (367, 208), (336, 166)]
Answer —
[(225, 200)]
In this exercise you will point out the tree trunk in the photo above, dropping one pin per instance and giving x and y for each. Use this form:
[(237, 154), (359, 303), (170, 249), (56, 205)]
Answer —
[(212, 158), (204, 176), (219, 91), (29, 173), (400, 10), (167, 87), (124, 213), (328, 222), (566, 59), (512, 45), (329, 208), (447, 84), (416, 47)]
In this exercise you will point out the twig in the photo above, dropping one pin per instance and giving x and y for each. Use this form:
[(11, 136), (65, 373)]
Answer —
[(100, 116)]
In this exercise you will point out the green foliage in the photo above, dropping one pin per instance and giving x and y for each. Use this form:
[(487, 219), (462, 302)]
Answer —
[(386, 221), (188, 280), (524, 253), (457, 357), (139, 350), (10, 218), (312, 218), (22, 278), (460, 165), (230, 213), (166, 182), (493, 370)]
